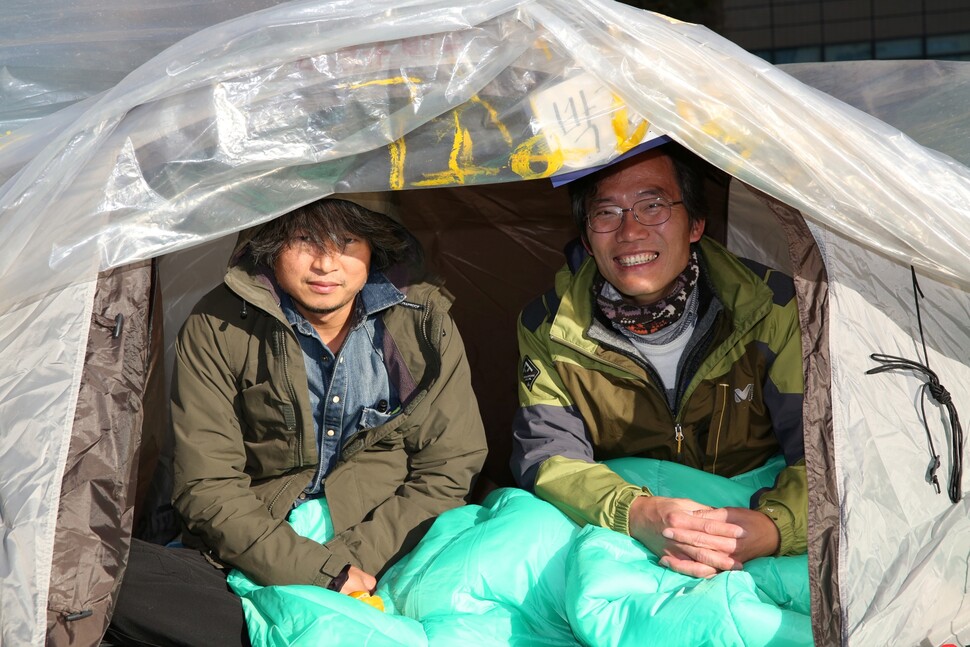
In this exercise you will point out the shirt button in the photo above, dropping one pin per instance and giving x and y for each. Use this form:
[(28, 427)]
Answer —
[(341, 360), (302, 496), (330, 432), (336, 399)]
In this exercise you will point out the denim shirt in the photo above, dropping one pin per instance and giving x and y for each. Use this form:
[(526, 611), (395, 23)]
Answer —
[(351, 391)]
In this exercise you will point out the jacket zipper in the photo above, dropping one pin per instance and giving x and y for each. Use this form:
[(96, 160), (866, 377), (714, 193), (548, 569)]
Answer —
[(679, 437), (281, 335), (690, 363), (425, 319)]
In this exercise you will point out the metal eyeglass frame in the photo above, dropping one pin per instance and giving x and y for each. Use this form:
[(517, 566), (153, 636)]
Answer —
[(618, 211)]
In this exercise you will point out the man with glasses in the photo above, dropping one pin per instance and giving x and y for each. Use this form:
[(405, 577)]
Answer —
[(658, 342)]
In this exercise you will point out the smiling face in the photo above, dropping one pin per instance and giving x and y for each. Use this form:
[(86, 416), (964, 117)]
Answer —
[(642, 262), (323, 280)]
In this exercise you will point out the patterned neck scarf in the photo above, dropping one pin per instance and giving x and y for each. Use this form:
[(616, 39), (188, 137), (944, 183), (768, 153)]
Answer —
[(652, 317)]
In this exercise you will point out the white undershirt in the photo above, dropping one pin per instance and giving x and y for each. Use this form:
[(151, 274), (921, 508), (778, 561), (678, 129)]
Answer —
[(663, 357)]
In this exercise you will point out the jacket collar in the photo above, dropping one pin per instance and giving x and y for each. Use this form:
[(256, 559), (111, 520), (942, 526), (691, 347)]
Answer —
[(377, 294), (257, 286)]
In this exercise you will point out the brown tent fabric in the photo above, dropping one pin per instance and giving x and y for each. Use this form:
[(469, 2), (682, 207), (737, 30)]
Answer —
[(497, 247), (811, 288), (97, 494)]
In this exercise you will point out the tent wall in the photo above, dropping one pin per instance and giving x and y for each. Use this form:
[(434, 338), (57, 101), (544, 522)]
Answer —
[(95, 515), (889, 563), (496, 247), (903, 564), (42, 345), (769, 232)]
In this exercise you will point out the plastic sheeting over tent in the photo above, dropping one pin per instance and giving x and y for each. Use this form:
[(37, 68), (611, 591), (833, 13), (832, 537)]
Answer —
[(247, 115), (306, 97)]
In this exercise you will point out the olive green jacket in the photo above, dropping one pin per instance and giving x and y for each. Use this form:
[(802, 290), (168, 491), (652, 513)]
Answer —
[(586, 395), (246, 447)]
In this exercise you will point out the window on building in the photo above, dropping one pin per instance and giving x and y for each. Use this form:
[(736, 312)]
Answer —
[(808, 54), (900, 48), (848, 52), (951, 46)]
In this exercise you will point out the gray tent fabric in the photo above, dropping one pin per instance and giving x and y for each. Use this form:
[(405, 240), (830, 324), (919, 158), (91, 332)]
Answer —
[(143, 136)]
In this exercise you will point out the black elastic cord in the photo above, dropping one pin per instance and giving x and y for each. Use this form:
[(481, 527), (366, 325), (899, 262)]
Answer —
[(939, 394)]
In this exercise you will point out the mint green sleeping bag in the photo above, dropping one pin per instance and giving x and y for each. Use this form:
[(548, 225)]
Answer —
[(516, 571)]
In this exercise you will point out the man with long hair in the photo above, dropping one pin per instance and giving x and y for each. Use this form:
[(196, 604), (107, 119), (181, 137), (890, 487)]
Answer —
[(323, 365)]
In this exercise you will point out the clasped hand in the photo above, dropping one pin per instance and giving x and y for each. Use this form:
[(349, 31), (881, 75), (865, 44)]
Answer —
[(358, 580), (695, 539)]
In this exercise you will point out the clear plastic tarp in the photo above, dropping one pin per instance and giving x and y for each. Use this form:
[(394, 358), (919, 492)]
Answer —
[(245, 119)]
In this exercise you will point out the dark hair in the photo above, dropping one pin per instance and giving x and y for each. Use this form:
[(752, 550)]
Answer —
[(328, 222), (690, 179)]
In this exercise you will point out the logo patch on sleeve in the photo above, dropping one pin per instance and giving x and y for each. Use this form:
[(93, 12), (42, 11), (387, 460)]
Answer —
[(530, 372)]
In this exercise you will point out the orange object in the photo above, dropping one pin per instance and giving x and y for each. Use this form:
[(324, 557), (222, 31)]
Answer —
[(373, 600)]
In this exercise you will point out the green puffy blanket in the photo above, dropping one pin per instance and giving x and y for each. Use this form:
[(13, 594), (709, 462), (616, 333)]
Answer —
[(516, 571)]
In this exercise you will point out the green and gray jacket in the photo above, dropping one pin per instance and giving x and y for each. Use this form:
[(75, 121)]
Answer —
[(586, 395), (246, 446)]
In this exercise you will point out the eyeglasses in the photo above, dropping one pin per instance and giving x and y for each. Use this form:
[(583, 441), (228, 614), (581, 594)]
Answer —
[(649, 212)]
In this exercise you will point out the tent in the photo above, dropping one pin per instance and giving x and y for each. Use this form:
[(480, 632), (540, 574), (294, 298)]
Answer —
[(136, 139)]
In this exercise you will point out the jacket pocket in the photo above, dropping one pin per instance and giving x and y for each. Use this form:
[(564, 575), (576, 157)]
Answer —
[(267, 415), (372, 428), (719, 423), (370, 418), (740, 435)]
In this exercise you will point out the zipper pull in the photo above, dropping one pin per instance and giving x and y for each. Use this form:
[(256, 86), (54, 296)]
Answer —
[(679, 435)]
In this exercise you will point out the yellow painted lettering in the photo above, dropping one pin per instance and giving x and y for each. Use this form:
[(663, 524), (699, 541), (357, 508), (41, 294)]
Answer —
[(460, 162), (625, 140), (493, 115), (535, 150), (398, 152), (394, 80)]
